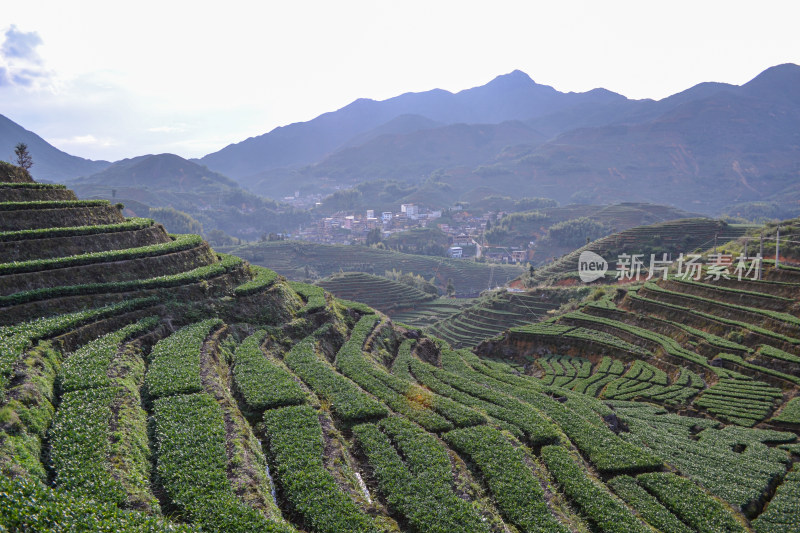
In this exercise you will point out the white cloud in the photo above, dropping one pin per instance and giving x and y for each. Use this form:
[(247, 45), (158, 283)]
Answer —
[(20, 62), (176, 128), (84, 140)]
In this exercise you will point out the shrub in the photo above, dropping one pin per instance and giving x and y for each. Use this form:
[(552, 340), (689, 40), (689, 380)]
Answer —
[(262, 382), (515, 487), (593, 499), (297, 447)]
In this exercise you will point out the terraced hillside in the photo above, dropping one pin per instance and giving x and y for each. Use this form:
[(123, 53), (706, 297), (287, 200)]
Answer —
[(299, 260), (721, 337), (427, 313), (519, 228), (385, 295), (493, 314), (243, 402), (673, 238)]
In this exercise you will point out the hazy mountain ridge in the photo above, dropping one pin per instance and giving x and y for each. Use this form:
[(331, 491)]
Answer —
[(158, 172), (512, 96), (50, 163), (167, 180), (702, 149)]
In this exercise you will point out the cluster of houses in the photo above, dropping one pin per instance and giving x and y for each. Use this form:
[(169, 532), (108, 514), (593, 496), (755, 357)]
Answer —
[(464, 231), (353, 228)]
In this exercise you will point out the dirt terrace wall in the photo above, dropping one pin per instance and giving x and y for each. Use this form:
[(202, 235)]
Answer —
[(212, 288), (516, 346), (127, 270), (59, 218), (736, 298), (751, 338), (36, 195), (81, 244), (787, 276), (713, 308), (13, 174)]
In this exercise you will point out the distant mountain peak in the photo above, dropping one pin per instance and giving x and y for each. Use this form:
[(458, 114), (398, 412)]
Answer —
[(780, 74), (778, 83), (515, 77)]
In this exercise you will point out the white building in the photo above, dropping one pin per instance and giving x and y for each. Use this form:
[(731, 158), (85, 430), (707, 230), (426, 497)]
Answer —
[(386, 216), (455, 252), (410, 210)]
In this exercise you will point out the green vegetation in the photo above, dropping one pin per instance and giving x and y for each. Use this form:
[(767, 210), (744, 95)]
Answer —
[(348, 402), (290, 259), (14, 174), (14, 340), (607, 451), (181, 242), (262, 382), (647, 505), (33, 185), (350, 361), (314, 296), (709, 459), (175, 221), (526, 419), (418, 485), (514, 485), (693, 505), (238, 401), (495, 312), (381, 293), (297, 447), (89, 366), (130, 224), (191, 464), (228, 264), (175, 361), (30, 506), (574, 233), (593, 499), (58, 204), (741, 401), (89, 459), (423, 241), (263, 279), (790, 412), (674, 236), (780, 515)]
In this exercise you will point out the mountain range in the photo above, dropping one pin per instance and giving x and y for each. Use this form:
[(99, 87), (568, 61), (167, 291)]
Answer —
[(705, 149)]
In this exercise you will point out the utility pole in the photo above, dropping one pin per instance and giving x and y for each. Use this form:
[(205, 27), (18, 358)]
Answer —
[(745, 248), (778, 249), (761, 254), (715, 243)]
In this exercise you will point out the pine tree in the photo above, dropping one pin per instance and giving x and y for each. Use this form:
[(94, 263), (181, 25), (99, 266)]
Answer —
[(24, 158)]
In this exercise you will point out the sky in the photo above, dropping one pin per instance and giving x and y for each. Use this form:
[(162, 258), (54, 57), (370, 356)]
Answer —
[(109, 80)]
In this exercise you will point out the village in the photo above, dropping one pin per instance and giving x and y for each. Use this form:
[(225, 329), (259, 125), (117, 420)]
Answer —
[(463, 230)]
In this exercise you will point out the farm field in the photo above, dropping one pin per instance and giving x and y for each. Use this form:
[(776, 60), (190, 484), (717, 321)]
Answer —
[(299, 260), (493, 314), (385, 295), (672, 238), (232, 400)]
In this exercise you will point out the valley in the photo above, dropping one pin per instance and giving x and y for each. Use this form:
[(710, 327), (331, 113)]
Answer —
[(504, 309), (152, 383)]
